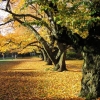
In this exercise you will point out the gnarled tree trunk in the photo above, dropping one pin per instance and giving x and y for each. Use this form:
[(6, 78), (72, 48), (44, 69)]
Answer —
[(91, 69), (61, 66), (60, 57), (90, 84)]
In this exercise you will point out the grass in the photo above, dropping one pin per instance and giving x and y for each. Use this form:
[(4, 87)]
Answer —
[(32, 79)]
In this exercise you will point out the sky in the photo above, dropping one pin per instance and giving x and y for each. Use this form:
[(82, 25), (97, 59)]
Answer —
[(4, 29), (2, 6)]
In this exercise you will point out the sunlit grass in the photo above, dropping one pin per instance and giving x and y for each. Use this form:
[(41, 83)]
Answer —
[(29, 80)]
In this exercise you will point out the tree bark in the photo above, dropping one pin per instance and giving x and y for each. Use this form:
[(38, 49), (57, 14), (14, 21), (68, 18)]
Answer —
[(49, 62), (90, 84), (46, 58), (60, 57), (61, 66), (44, 54), (41, 55), (3, 55)]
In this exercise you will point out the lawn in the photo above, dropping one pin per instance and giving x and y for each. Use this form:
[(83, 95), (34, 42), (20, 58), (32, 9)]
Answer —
[(32, 79)]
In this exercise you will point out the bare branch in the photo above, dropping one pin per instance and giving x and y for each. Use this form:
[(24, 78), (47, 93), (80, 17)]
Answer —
[(33, 7), (8, 6), (24, 15), (34, 45), (9, 21), (30, 44)]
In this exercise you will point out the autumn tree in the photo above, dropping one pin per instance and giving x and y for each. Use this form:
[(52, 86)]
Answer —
[(16, 42), (3, 48), (87, 40), (31, 20)]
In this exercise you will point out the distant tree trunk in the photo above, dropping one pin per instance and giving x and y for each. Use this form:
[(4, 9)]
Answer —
[(49, 62), (90, 84), (43, 54), (61, 57), (61, 66), (45, 57), (15, 56), (3, 55)]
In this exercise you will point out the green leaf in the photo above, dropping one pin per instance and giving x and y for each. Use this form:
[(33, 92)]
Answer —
[(59, 22)]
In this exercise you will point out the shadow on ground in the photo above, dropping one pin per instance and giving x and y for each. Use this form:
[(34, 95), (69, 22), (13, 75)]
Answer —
[(25, 86), (6, 65)]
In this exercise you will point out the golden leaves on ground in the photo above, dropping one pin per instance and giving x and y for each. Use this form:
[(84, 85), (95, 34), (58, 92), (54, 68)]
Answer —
[(28, 79)]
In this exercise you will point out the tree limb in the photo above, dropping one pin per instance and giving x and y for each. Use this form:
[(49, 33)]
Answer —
[(9, 21), (30, 44)]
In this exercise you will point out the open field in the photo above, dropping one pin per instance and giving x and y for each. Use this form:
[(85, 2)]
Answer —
[(32, 79)]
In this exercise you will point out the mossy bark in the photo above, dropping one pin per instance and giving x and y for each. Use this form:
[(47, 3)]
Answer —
[(90, 84)]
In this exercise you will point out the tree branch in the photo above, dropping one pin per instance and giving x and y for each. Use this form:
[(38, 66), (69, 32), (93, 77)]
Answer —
[(8, 6), (9, 21), (30, 44)]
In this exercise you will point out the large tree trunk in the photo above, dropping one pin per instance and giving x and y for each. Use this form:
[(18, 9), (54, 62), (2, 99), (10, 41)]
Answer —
[(90, 84), (91, 69)]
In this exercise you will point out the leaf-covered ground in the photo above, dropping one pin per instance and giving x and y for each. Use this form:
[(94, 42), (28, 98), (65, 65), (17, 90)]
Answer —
[(32, 79)]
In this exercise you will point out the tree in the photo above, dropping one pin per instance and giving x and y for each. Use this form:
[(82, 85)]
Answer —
[(91, 70), (89, 45), (16, 42), (30, 21), (3, 48)]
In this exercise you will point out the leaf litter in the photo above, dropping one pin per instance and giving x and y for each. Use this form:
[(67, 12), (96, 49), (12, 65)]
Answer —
[(29, 80)]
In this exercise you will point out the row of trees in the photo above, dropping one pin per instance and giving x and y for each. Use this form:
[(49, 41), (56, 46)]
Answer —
[(17, 42), (67, 23)]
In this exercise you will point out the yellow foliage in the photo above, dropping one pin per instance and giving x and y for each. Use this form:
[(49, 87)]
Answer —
[(25, 79), (17, 5)]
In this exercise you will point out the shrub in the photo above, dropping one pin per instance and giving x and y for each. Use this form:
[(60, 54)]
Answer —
[(73, 55)]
